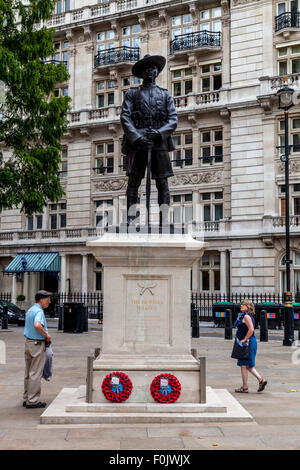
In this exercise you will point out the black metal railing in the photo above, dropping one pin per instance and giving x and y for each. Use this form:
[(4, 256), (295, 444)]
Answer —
[(117, 54), (204, 301), (6, 296), (194, 40), (287, 20)]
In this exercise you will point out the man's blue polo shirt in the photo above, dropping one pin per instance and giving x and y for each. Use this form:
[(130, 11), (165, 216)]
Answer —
[(35, 313)]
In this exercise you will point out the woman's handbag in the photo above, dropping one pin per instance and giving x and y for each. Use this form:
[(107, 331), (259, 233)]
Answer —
[(240, 351)]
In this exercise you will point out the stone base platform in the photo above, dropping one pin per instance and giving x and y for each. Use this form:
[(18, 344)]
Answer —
[(70, 407)]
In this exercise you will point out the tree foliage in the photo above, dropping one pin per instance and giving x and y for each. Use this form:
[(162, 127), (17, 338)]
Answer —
[(33, 120)]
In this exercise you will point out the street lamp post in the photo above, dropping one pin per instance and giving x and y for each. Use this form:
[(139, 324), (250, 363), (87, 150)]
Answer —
[(285, 96)]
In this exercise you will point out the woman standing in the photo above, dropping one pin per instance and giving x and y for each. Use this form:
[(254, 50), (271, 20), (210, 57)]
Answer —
[(245, 331)]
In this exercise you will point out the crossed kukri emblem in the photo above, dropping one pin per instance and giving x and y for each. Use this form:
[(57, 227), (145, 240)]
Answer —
[(146, 287)]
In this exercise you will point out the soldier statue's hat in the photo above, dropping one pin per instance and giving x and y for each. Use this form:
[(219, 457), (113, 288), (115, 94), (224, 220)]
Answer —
[(158, 60)]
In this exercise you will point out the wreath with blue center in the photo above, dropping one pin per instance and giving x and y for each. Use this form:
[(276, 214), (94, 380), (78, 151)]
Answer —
[(117, 387), (165, 388)]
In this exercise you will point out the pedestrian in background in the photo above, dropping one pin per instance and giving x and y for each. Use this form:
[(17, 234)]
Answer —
[(245, 325), (36, 335)]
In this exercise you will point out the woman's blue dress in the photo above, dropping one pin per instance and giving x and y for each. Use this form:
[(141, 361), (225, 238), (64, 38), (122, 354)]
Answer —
[(242, 330)]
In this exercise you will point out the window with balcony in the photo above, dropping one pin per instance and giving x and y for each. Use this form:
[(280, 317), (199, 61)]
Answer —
[(105, 40), (182, 156), (210, 20), (131, 35), (104, 212), (181, 209), (181, 25), (182, 81), (295, 272), (57, 215), (212, 206), (105, 93), (61, 54), (211, 146), (210, 276), (287, 15), (294, 135), (104, 159), (63, 173), (210, 77), (62, 5), (35, 222), (294, 190)]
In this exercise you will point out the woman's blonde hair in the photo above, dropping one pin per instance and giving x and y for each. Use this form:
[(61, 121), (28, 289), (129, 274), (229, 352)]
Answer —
[(249, 305)]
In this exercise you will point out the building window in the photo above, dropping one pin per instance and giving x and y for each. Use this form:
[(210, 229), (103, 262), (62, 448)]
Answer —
[(182, 208), (63, 173), (35, 222), (64, 91), (210, 280), (128, 82), (211, 145), (295, 272), (105, 93), (211, 77), (294, 135), (62, 54), (212, 206), (130, 36), (181, 25), (294, 200), (182, 81), (289, 59), (183, 153), (104, 213), (105, 40), (62, 6), (210, 20), (104, 160), (57, 215)]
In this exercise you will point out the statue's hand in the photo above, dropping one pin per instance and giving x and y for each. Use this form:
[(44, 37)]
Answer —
[(143, 142), (152, 134)]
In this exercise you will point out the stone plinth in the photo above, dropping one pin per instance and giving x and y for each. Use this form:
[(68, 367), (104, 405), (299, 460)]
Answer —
[(146, 323)]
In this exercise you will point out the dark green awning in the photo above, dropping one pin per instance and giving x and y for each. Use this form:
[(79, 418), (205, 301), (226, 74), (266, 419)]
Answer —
[(34, 262)]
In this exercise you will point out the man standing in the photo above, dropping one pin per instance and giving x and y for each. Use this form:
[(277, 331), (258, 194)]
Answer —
[(36, 334), (148, 118)]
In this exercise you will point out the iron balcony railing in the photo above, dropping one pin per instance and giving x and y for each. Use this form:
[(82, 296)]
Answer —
[(194, 40), (287, 20), (117, 54)]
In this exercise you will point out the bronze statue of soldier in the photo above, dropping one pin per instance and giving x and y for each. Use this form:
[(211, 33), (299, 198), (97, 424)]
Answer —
[(148, 118)]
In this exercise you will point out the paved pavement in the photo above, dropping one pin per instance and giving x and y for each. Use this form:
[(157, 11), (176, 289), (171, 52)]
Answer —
[(276, 411)]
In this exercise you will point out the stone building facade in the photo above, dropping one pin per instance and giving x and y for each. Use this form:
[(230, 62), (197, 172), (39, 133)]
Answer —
[(225, 63)]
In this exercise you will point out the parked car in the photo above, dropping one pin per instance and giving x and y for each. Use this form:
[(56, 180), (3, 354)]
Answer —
[(15, 314)]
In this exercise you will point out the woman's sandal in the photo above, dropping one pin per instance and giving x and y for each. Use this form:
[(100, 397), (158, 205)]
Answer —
[(241, 390), (262, 385)]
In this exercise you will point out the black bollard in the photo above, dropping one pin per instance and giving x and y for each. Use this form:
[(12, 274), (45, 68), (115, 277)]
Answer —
[(5, 318), (288, 326), (195, 322), (228, 324), (60, 317), (263, 326)]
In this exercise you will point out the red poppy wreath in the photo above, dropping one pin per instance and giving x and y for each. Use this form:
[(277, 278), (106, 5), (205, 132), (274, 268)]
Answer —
[(117, 387), (165, 388)]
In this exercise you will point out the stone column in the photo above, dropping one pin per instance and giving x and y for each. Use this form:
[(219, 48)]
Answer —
[(63, 273), (26, 286), (14, 289), (84, 279), (196, 276), (223, 273)]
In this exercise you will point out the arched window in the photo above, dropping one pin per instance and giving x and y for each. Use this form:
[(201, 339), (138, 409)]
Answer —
[(295, 272)]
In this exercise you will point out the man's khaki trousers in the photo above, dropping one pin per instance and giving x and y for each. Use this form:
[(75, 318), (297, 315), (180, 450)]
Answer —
[(34, 366)]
